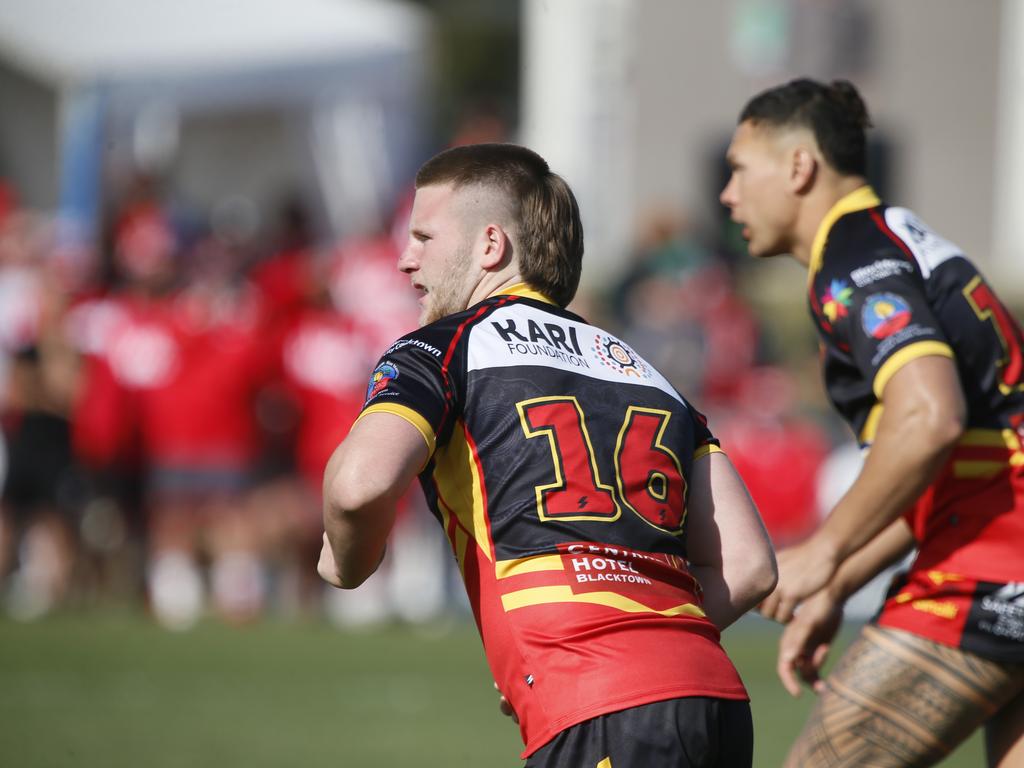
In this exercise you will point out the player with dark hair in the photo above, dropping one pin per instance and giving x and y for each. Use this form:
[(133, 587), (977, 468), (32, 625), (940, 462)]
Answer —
[(603, 537), (925, 363)]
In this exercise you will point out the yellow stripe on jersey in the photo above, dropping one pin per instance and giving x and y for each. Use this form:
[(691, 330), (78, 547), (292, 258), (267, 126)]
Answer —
[(505, 568), (706, 450), (564, 594), (410, 416), (975, 469), (991, 438), (904, 356), (524, 290), (870, 428), (966, 469), (460, 487), (606, 763), (858, 200)]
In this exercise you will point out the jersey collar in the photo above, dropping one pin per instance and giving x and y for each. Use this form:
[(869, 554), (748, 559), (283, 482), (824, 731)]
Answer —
[(524, 290), (860, 199)]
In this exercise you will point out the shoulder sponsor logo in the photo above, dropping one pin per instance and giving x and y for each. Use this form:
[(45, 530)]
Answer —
[(618, 356), (884, 314), (546, 339), (929, 249), (381, 377), (879, 271), (836, 301), (416, 343)]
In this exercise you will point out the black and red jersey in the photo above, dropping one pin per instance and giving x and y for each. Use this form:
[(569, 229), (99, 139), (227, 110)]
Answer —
[(559, 463), (885, 289)]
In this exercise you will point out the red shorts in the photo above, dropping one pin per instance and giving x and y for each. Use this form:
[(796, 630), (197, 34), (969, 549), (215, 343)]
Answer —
[(966, 587)]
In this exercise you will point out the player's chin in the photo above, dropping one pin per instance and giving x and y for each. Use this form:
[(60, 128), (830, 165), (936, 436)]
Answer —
[(431, 312), (759, 250), (755, 252)]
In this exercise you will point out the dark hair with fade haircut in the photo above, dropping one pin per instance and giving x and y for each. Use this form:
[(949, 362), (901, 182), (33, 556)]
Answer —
[(835, 113), (549, 234)]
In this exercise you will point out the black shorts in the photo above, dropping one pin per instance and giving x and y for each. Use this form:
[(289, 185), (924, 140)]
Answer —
[(41, 471), (691, 732)]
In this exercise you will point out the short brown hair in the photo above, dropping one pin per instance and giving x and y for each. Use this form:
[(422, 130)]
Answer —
[(547, 219)]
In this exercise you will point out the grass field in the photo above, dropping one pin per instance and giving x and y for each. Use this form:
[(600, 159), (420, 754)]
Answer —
[(112, 690)]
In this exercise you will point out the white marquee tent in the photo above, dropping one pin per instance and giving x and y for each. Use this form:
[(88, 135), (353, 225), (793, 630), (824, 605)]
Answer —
[(128, 71)]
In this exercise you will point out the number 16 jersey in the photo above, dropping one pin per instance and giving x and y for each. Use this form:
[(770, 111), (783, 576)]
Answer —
[(559, 468)]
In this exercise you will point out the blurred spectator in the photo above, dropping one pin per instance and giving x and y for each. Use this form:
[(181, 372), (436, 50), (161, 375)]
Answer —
[(175, 366), (41, 489), (649, 301), (729, 328), (778, 453)]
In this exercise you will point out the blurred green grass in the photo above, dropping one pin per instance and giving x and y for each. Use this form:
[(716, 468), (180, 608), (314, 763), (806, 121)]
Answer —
[(113, 690)]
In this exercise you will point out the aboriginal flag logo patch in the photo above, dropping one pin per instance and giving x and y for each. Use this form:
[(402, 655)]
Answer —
[(382, 375), (836, 301), (619, 357), (884, 314)]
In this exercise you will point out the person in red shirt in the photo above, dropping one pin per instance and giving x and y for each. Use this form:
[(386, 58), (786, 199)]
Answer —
[(170, 389)]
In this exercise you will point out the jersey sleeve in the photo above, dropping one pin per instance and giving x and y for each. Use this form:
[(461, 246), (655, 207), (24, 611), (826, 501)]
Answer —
[(409, 382), (704, 442), (881, 315)]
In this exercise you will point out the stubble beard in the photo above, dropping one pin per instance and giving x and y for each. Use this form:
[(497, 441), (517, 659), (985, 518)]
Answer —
[(452, 293)]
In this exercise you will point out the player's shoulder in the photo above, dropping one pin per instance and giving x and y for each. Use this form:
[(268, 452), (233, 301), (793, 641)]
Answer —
[(439, 338), (928, 248), (885, 241)]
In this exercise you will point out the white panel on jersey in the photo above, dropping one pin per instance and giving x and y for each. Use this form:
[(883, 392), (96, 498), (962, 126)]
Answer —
[(928, 248), (521, 335)]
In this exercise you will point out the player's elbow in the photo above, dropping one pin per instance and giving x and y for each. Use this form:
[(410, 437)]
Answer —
[(948, 429), (760, 574), (354, 490), (940, 428)]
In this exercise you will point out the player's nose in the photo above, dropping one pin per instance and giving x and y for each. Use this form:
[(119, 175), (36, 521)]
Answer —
[(728, 194), (406, 261)]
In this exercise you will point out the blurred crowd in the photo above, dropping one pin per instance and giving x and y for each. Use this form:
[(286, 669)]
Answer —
[(168, 409), (169, 403)]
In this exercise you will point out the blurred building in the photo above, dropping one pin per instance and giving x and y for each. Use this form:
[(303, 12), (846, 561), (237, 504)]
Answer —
[(635, 102)]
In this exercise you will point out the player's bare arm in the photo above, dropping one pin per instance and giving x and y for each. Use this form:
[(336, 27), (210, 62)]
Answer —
[(807, 639), (364, 480), (727, 544), (923, 417)]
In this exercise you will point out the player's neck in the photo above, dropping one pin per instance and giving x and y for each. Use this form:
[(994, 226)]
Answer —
[(815, 208), (495, 282)]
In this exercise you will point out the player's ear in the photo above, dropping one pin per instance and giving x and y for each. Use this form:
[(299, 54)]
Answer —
[(497, 248), (803, 169)]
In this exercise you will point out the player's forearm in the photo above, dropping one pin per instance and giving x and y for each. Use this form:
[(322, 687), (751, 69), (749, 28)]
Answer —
[(358, 538), (358, 513), (729, 550), (725, 601), (887, 548), (362, 487), (908, 452)]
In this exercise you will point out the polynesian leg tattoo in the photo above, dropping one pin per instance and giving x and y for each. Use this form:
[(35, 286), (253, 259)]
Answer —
[(896, 700)]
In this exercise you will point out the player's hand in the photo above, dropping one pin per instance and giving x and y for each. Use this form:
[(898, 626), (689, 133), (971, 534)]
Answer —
[(327, 568), (505, 706), (805, 643), (803, 570)]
